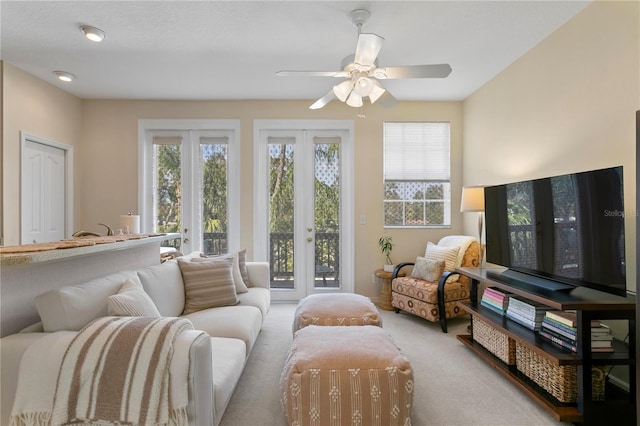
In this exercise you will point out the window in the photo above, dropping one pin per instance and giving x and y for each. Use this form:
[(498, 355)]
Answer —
[(417, 190)]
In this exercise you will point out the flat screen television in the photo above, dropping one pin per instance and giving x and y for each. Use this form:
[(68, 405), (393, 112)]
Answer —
[(559, 232)]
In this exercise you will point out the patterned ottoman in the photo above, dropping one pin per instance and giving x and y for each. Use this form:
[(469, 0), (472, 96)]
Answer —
[(336, 309), (346, 376)]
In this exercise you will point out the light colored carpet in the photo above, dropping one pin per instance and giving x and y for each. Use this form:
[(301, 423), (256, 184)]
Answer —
[(452, 386)]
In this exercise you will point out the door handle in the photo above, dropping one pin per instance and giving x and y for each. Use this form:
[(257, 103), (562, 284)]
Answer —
[(309, 229), (309, 239), (186, 240)]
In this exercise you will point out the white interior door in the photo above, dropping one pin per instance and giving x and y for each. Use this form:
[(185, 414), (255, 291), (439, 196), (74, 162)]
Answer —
[(304, 203), (44, 195)]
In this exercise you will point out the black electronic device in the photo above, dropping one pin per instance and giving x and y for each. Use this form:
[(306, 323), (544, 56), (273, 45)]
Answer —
[(560, 232)]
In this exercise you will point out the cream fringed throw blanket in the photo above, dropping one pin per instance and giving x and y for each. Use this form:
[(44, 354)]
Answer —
[(116, 370)]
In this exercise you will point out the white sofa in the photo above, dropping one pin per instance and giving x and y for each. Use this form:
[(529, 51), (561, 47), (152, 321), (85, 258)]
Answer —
[(216, 358)]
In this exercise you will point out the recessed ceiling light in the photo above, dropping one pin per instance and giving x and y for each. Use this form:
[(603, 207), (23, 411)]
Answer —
[(93, 33), (64, 76)]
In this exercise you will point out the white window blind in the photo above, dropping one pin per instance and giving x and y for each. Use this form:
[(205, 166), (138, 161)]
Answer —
[(417, 151), (417, 190)]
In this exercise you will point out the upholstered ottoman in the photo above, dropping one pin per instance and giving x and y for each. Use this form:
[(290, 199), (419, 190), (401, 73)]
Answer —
[(346, 376), (335, 309)]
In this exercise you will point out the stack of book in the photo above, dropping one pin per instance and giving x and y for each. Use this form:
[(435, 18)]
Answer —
[(495, 299), (560, 327), (526, 312), (601, 338)]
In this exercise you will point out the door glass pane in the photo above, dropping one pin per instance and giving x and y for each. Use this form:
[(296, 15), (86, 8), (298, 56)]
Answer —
[(281, 211), (213, 157), (327, 211), (168, 187)]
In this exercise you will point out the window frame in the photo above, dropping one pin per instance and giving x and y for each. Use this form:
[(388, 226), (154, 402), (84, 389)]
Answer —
[(195, 129), (440, 179)]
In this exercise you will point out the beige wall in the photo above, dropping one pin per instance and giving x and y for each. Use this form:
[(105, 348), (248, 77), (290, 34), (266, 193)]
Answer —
[(567, 105), (110, 145), (39, 109)]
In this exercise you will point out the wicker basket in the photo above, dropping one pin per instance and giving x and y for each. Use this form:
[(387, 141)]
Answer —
[(494, 341), (561, 381)]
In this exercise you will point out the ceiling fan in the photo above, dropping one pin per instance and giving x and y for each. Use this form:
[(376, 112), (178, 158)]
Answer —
[(362, 73)]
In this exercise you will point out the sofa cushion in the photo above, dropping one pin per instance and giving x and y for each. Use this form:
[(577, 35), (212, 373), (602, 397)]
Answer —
[(72, 307), (257, 296), (240, 322), (208, 283), (228, 357), (163, 283), (131, 300)]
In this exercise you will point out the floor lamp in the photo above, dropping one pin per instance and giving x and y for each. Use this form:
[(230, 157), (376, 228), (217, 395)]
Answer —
[(473, 201)]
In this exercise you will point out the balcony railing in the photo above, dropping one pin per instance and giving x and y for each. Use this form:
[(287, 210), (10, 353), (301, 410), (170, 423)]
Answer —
[(327, 256)]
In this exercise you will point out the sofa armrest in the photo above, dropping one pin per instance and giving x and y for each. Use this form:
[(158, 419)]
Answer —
[(259, 274), (12, 348), (200, 380)]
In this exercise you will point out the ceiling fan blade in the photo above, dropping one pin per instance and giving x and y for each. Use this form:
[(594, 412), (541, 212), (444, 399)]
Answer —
[(367, 50), (286, 73), (414, 71), (323, 100), (387, 100)]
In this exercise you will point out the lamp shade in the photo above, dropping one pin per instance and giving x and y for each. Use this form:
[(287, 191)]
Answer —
[(472, 199)]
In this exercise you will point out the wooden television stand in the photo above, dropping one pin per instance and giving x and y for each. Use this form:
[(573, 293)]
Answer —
[(619, 406)]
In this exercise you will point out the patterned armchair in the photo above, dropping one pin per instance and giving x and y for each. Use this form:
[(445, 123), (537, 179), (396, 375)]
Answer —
[(432, 289)]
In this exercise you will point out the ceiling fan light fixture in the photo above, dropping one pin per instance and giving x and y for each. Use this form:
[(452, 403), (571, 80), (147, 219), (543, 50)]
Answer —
[(376, 91), (342, 90), (363, 86), (354, 100), (64, 76), (93, 33)]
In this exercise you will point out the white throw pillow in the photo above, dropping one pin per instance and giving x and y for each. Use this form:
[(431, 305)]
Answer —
[(447, 254), (131, 301), (72, 307)]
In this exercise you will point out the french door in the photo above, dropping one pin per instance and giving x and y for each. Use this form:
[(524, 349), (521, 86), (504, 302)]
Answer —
[(303, 206), (190, 182)]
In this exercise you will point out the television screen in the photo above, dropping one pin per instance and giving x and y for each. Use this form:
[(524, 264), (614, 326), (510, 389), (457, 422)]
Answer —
[(565, 229)]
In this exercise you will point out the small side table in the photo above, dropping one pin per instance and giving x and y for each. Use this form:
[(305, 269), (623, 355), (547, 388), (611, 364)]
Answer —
[(384, 302)]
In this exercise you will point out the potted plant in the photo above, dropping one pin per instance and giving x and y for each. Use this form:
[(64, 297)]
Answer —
[(386, 246)]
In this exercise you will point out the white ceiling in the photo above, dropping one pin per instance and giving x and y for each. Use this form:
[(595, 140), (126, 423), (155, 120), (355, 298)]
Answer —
[(232, 49)]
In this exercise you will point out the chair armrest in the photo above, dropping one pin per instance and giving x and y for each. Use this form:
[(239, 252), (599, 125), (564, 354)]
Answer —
[(441, 283), (399, 266)]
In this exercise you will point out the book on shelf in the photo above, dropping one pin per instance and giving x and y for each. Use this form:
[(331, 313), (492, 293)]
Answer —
[(564, 331), (558, 340), (607, 349), (492, 307), (531, 324), (602, 343), (493, 297), (527, 308), (569, 318)]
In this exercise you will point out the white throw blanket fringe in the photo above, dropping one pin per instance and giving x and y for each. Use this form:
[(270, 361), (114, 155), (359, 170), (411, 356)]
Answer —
[(117, 370)]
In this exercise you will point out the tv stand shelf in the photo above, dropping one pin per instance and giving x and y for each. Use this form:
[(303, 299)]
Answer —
[(589, 304)]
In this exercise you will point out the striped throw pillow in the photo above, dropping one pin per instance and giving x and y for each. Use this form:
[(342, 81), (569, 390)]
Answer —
[(131, 301), (448, 254), (208, 284)]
